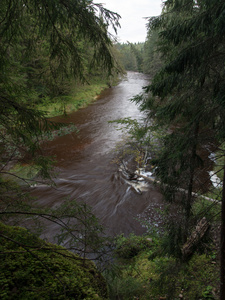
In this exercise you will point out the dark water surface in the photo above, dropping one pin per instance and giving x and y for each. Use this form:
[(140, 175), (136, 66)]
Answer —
[(85, 168)]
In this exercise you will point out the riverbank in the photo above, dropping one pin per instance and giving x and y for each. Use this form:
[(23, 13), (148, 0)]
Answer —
[(86, 173), (80, 96)]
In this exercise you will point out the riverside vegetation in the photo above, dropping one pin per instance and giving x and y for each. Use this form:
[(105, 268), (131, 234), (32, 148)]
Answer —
[(79, 97), (66, 45)]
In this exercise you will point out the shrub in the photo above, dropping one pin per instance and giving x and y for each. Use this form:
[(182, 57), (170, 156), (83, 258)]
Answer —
[(131, 246)]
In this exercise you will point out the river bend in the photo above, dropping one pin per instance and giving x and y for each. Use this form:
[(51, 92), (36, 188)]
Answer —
[(85, 169)]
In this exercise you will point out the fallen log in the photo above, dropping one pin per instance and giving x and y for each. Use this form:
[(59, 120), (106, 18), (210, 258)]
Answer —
[(135, 175), (152, 180), (195, 238)]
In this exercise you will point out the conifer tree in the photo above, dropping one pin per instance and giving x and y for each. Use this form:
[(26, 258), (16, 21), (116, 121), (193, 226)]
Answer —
[(188, 97), (41, 45)]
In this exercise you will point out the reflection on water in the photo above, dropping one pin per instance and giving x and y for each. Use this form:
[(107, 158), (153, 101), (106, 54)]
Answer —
[(85, 168)]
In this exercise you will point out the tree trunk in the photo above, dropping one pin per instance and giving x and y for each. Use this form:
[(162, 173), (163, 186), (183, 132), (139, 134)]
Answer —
[(222, 244), (188, 204), (195, 237)]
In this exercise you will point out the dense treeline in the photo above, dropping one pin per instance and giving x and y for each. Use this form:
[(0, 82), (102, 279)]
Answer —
[(185, 53), (41, 52), (131, 56), (140, 57)]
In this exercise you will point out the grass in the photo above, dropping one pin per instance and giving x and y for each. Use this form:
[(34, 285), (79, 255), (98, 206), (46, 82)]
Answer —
[(79, 97)]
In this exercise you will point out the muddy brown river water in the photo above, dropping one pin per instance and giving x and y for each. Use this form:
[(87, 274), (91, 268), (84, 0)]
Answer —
[(85, 169)]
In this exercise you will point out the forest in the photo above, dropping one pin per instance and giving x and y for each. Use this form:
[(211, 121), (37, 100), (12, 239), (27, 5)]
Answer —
[(55, 57)]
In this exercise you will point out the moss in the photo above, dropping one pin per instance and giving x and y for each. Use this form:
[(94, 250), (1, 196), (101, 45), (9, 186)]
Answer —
[(34, 269)]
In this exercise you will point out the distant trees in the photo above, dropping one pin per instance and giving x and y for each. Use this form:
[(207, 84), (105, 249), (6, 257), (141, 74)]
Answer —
[(187, 98), (152, 58), (131, 56), (141, 57)]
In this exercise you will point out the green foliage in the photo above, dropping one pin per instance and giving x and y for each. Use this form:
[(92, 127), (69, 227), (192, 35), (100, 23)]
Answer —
[(34, 269), (126, 288), (44, 48), (210, 209), (131, 246), (61, 29), (148, 276), (141, 142), (77, 229), (186, 96), (152, 57), (190, 279), (131, 56), (80, 96)]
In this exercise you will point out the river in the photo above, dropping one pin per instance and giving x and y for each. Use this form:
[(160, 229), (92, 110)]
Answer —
[(85, 168)]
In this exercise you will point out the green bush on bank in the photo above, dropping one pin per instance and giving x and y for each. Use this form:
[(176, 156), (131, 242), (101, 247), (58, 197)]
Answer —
[(34, 269), (128, 248), (150, 275)]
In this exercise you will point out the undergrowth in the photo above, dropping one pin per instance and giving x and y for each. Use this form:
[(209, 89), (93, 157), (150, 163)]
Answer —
[(146, 273)]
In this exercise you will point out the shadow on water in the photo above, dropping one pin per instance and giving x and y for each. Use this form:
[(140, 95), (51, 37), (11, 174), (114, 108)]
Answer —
[(85, 168)]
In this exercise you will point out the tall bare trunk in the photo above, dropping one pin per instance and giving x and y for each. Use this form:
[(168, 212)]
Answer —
[(191, 179), (222, 244)]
